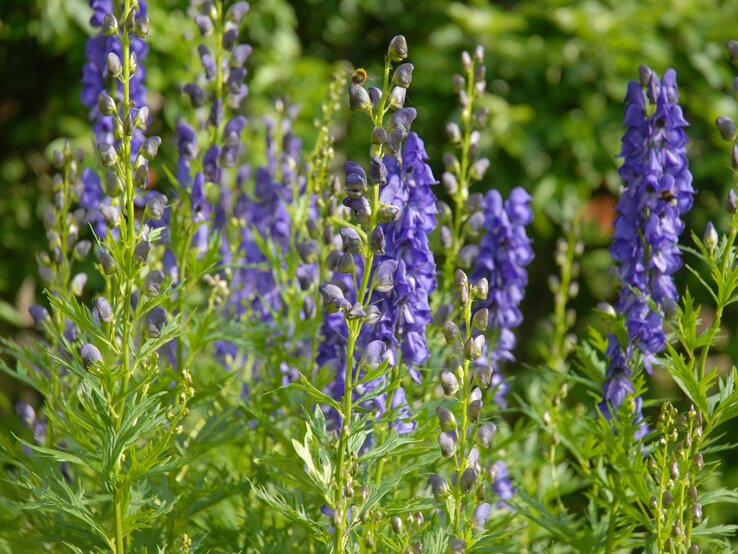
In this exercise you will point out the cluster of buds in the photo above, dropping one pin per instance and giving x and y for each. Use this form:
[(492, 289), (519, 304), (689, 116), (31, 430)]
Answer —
[(406, 528), (460, 382), (211, 19), (725, 125), (63, 226), (460, 254), (675, 466), (462, 168), (375, 102)]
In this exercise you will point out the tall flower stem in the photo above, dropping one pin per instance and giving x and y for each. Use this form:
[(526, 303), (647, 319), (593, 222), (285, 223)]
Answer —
[(119, 496), (462, 194), (466, 390), (354, 330)]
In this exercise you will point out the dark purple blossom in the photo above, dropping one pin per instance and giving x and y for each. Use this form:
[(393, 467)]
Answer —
[(658, 192), (504, 254), (95, 78), (405, 308)]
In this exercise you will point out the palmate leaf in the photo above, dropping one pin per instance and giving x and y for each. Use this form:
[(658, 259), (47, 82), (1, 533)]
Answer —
[(295, 514), (321, 473), (67, 508)]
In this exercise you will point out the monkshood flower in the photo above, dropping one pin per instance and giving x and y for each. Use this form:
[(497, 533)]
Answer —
[(405, 311), (504, 254), (96, 72), (658, 192), (618, 384)]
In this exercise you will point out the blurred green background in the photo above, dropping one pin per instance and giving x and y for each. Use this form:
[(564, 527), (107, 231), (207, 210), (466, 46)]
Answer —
[(557, 73)]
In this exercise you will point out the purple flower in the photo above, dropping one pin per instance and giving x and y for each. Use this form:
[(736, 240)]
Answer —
[(502, 485), (658, 192), (504, 254), (405, 308), (95, 77)]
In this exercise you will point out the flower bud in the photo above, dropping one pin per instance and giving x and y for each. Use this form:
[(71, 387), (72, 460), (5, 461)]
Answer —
[(373, 354), (346, 263), (104, 309), (389, 213), (474, 347), (397, 50), (696, 512), (111, 215), (379, 135), (450, 183), (403, 75), (397, 98), (377, 171), (82, 249), (467, 255), (89, 354), (141, 251), (396, 524), (356, 312), (141, 26), (351, 240), (694, 549), (359, 100), (360, 208), (456, 546), (474, 410), (372, 315), (377, 240), (468, 478), (481, 515), (449, 383), (152, 282), (110, 25), (156, 205), (108, 155), (150, 147), (453, 132), (481, 319), (141, 121), (698, 461), (309, 308), (196, 94), (478, 169), (155, 321), (483, 376), (384, 277), (666, 499), (727, 128), (710, 237), (106, 103), (451, 332), (237, 12), (484, 434), (113, 184), (439, 486), (78, 284), (732, 47), (115, 68), (333, 299), (40, 315), (732, 202), (447, 444), (141, 177), (446, 418), (204, 24)]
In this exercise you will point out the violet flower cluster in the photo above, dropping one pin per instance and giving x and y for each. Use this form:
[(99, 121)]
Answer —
[(504, 254), (658, 193)]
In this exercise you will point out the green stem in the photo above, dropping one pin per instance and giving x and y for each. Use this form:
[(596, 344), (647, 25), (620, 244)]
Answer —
[(721, 290), (462, 194), (458, 497), (611, 526), (119, 499)]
